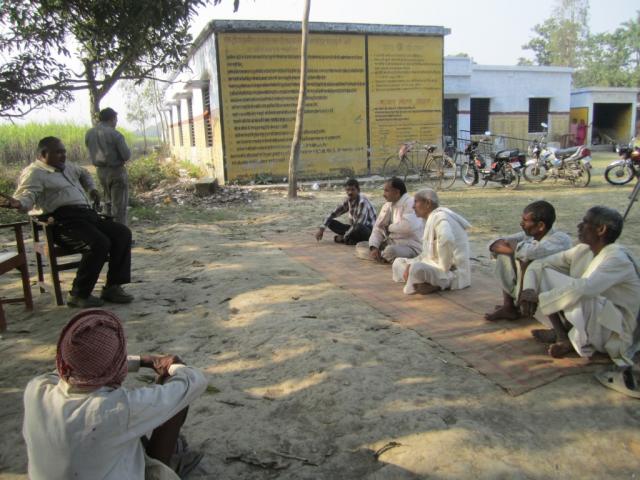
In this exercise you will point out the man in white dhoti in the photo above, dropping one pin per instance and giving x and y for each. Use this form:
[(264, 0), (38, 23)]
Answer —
[(589, 293), (513, 254), (397, 230), (444, 261)]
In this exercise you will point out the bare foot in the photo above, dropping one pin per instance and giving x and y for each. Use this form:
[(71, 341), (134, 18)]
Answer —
[(544, 335), (503, 313), (560, 349), (425, 288)]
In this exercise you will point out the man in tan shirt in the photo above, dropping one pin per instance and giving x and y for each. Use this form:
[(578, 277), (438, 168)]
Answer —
[(59, 189)]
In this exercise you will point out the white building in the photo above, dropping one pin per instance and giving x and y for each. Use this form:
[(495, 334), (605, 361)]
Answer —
[(506, 100), (610, 113)]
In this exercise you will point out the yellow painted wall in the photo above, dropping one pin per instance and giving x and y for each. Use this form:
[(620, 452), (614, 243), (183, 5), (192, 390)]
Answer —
[(623, 122), (259, 78), (405, 93), (580, 113)]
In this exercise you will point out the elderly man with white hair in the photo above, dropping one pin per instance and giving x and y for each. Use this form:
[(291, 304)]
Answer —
[(444, 261)]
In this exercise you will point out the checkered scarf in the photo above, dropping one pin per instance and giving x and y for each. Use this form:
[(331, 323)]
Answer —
[(92, 350)]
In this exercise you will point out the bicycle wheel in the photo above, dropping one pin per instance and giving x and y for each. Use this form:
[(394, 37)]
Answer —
[(432, 172), (394, 167), (449, 172)]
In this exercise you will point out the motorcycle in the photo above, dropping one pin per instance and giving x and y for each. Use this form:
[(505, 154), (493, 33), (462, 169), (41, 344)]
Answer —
[(623, 170), (572, 164), (505, 167)]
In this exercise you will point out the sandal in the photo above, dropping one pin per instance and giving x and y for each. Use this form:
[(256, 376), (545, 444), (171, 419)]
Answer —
[(621, 381)]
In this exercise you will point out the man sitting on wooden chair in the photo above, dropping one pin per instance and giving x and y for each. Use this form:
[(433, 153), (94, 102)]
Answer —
[(59, 189)]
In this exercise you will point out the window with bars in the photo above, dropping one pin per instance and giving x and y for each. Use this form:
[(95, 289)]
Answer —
[(180, 135), (538, 113), (192, 127), (479, 115), (206, 109)]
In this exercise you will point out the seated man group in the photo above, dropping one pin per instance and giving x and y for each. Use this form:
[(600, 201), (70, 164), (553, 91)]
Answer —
[(426, 257), (59, 190), (589, 293)]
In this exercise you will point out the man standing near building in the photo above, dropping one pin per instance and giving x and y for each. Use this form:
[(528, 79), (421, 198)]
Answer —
[(108, 151)]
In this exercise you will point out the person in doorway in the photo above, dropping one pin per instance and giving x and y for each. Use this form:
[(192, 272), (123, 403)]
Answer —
[(581, 134), (573, 132), (108, 151), (589, 293), (361, 213), (81, 423), (397, 230), (444, 261), (58, 188), (513, 254)]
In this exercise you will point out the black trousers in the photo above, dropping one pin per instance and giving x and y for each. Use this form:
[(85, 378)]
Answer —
[(359, 234), (96, 238)]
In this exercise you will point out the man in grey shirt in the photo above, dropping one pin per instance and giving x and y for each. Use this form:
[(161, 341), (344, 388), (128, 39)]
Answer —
[(108, 151)]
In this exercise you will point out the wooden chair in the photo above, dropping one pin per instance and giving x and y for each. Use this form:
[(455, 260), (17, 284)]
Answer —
[(16, 260), (45, 247)]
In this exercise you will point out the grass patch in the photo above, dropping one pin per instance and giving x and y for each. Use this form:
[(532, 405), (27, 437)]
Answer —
[(146, 173), (18, 142)]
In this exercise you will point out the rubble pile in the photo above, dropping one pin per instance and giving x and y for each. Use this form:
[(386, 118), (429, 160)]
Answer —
[(183, 192)]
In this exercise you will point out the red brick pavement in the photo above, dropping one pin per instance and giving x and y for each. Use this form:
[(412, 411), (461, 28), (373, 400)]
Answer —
[(502, 351)]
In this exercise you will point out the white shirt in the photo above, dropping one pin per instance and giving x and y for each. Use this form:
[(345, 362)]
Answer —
[(445, 244), (398, 225), (71, 434)]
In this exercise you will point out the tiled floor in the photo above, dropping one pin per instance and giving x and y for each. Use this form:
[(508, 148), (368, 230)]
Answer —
[(502, 351)]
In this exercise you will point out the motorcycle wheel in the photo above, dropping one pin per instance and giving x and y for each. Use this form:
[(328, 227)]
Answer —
[(469, 174), (511, 177), (535, 173), (618, 174), (581, 176)]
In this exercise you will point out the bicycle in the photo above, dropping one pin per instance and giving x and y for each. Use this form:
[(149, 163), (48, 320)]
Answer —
[(439, 171)]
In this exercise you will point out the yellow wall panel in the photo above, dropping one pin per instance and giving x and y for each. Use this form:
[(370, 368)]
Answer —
[(259, 78), (405, 93)]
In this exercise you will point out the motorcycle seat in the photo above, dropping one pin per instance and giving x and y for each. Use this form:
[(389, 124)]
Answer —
[(431, 148), (565, 152), (508, 153)]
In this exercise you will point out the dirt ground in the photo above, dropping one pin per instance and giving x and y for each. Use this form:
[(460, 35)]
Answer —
[(307, 381)]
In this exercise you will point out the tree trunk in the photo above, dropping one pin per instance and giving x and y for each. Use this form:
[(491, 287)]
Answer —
[(144, 135), (297, 133), (94, 105)]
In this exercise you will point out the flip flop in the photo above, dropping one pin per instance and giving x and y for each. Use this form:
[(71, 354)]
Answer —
[(614, 379)]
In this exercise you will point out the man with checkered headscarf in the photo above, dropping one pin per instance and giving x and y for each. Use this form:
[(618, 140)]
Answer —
[(81, 423)]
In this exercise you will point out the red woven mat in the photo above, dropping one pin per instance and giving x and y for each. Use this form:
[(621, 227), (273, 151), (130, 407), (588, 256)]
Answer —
[(503, 351)]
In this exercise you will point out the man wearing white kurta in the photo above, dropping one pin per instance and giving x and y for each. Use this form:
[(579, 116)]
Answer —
[(80, 423), (589, 293), (397, 230), (444, 261), (513, 254)]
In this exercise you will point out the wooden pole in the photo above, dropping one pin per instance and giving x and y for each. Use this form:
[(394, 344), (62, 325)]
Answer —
[(302, 95)]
